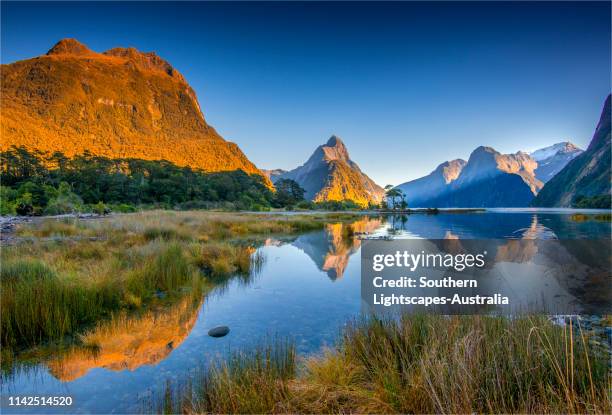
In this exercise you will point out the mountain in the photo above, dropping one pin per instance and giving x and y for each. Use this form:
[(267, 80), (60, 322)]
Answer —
[(121, 103), (330, 175), (487, 179), (586, 176), (553, 158), (492, 179), (419, 191)]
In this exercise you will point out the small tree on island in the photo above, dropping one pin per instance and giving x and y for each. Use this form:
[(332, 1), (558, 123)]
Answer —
[(392, 193)]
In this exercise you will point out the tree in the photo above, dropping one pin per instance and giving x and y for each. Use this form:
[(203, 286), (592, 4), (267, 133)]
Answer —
[(288, 193), (392, 193), (65, 201), (403, 203)]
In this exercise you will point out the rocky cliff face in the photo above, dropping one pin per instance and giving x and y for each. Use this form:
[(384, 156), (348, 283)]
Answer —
[(551, 160), (330, 175), (587, 175), (120, 103)]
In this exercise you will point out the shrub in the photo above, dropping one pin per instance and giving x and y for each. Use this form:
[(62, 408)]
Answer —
[(65, 202)]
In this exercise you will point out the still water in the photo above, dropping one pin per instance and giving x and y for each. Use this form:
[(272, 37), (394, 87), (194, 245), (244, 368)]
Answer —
[(307, 288)]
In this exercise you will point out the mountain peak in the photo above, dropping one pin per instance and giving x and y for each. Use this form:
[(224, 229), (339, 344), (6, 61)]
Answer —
[(603, 125), (335, 149), (484, 149), (450, 170), (558, 148), (69, 46), (334, 141)]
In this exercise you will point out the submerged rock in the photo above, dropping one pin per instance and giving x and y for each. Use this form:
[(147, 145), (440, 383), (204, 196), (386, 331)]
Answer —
[(219, 331)]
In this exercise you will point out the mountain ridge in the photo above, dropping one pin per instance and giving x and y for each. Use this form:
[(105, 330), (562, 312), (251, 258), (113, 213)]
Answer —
[(443, 187)]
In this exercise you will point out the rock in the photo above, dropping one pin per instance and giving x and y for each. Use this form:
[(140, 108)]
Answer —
[(219, 331)]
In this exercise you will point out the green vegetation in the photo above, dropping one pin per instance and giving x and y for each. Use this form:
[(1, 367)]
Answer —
[(415, 364), (66, 302), (288, 193), (394, 193), (90, 269), (34, 183)]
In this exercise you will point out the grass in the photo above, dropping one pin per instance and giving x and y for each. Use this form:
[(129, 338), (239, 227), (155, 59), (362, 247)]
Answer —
[(253, 382), (82, 271), (416, 364), (65, 304), (37, 304)]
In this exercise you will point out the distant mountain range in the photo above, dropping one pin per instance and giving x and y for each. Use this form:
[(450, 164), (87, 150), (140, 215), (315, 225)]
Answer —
[(585, 177), (489, 178), (121, 103), (330, 175)]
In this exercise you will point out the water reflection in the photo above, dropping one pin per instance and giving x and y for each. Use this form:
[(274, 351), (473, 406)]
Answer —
[(128, 342), (331, 249), (494, 225)]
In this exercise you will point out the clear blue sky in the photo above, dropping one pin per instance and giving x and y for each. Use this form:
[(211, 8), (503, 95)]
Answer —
[(406, 85)]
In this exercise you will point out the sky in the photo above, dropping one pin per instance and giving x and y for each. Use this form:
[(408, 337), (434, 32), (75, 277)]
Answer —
[(405, 85)]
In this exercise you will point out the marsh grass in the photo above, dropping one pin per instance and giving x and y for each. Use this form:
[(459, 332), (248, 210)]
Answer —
[(38, 304), (423, 364), (253, 382), (81, 271)]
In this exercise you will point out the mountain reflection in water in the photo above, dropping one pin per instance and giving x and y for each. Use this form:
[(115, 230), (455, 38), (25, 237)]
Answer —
[(330, 250), (128, 342)]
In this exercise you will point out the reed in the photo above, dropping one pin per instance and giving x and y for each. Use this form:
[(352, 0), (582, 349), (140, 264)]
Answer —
[(422, 364), (467, 364), (37, 304), (252, 382)]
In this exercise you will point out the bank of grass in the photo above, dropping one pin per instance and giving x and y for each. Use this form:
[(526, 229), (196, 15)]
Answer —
[(254, 382), (417, 364), (67, 274), (39, 303)]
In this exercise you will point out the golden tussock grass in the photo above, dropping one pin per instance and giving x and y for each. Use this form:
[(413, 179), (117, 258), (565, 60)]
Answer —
[(422, 364)]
